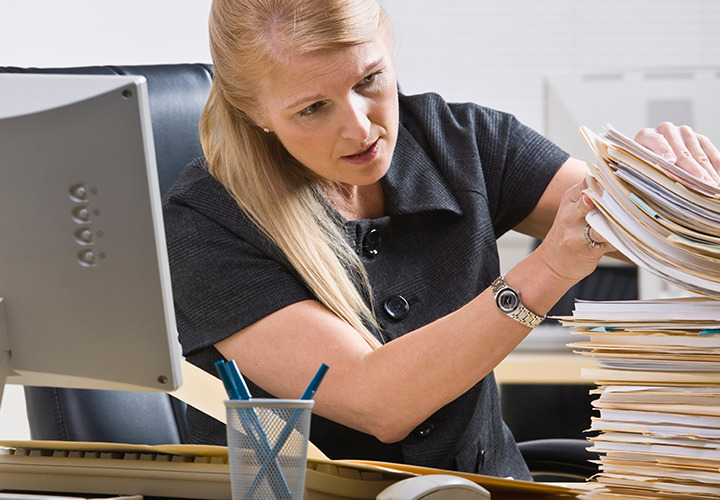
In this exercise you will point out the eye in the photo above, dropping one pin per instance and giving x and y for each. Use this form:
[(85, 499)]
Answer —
[(310, 110), (369, 79)]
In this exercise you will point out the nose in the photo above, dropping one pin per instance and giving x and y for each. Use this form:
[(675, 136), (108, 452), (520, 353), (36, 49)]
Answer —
[(356, 122)]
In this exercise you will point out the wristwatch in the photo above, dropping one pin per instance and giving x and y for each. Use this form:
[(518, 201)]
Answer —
[(508, 301)]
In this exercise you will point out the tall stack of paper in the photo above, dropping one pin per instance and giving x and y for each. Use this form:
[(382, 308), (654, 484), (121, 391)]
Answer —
[(658, 376), (658, 361), (660, 217)]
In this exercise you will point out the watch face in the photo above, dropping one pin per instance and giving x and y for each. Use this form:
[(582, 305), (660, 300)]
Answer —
[(507, 300)]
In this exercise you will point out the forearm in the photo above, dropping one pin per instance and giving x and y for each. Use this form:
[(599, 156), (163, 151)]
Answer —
[(467, 344), (437, 363)]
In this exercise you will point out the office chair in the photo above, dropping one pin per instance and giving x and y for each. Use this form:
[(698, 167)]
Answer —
[(177, 94), (559, 460)]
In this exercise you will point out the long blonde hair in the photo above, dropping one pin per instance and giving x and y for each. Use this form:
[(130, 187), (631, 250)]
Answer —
[(287, 202)]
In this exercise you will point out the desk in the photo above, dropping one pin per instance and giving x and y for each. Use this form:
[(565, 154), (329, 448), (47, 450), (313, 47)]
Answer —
[(42, 496), (192, 472), (544, 358), (544, 368)]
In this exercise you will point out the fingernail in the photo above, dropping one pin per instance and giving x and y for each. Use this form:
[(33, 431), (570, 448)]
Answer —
[(669, 156)]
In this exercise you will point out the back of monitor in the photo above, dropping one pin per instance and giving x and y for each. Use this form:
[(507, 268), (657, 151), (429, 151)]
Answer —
[(84, 280)]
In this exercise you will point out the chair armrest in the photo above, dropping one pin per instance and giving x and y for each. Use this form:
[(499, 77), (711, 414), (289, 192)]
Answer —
[(559, 459)]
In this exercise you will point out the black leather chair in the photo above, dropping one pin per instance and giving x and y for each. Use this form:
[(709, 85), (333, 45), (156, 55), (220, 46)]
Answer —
[(177, 94), (61, 414), (559, 460)]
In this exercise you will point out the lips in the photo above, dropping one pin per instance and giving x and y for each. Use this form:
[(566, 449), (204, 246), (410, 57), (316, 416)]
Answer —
[(365, 155)]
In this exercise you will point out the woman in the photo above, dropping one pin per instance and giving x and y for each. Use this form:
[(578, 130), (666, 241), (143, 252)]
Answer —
[(333, 221)]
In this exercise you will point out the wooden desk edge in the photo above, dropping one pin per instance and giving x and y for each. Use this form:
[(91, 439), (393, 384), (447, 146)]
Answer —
[(543, 368)]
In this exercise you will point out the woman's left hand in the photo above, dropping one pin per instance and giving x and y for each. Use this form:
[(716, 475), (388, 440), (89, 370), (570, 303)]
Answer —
[(687, 149)]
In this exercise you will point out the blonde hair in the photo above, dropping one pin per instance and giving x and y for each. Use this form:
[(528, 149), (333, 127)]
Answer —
[(287, 202)]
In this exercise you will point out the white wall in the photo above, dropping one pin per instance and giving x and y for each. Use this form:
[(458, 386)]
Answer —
[(88, 32), (496, 52), (488, 51)]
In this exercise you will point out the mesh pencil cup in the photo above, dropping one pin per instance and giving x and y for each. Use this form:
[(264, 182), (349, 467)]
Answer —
[(267, 447)]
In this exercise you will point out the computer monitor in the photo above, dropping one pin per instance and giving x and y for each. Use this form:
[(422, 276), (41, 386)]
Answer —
[(630, 101), (85, 289)]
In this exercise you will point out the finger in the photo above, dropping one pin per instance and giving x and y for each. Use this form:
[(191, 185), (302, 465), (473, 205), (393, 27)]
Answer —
[(657, 142), (576, 196), (585, 202), (711, 151), (681, 139), (595, 236), (696, 155)]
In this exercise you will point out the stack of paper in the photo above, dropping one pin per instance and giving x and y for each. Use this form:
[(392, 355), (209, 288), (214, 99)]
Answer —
[(658, 361), (658, 376), (659, 216)]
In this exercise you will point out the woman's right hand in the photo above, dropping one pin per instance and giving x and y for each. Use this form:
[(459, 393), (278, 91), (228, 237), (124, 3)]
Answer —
[(567, 250)]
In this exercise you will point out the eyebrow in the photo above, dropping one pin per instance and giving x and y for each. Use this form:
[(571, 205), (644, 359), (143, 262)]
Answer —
[(319, 97)]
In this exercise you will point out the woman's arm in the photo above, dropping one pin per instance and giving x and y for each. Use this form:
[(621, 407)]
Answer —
[(538, 223), (389, 391)]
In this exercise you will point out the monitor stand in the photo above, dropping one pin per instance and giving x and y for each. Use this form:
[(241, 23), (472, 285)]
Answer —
[(4, 350)]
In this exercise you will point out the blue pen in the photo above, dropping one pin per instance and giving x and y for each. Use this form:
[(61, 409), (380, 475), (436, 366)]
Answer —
[(238, 380), (291, 422), (237, 389), (315, 382), (227, 380)]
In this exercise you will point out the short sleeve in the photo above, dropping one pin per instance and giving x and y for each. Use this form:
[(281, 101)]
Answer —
[(517, 170), (225, 275)]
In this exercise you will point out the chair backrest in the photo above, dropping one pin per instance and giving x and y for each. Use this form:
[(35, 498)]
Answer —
[(61, 414), (177, 94)]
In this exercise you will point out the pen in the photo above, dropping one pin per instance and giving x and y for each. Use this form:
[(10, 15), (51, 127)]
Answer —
[(291, 422), (237, 390)]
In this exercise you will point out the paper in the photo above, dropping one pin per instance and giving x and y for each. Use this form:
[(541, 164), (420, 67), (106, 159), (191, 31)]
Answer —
[(663, 219), (657, 372)]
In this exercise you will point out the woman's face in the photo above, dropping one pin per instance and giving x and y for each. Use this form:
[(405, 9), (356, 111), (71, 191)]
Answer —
[(336, 111)]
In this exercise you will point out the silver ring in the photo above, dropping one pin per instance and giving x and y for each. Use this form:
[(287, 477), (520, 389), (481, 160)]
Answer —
[(591, 242)]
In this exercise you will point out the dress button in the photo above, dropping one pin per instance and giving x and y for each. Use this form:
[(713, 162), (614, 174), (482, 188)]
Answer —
[(396, 307), (425, 431), (480, 460), (372, 243)]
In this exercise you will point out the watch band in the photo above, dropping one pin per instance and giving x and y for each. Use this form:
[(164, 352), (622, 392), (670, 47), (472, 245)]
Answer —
[(508, 302)]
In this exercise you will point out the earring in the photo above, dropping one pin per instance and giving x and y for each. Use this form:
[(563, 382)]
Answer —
[(266, 130)]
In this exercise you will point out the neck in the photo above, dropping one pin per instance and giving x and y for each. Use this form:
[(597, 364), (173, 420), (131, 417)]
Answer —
[(358, 202)]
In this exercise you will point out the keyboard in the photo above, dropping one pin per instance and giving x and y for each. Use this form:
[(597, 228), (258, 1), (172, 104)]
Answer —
[(202, 472), (114, 469), (175, 471)]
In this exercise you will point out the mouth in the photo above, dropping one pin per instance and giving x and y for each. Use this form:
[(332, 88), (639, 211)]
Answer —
[(364, 155)]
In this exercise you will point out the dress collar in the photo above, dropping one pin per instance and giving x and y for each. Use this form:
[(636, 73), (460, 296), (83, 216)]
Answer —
[(413, 183)]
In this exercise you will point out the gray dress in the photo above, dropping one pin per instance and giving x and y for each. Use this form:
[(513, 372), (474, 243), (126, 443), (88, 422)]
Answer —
[(461, 176)]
